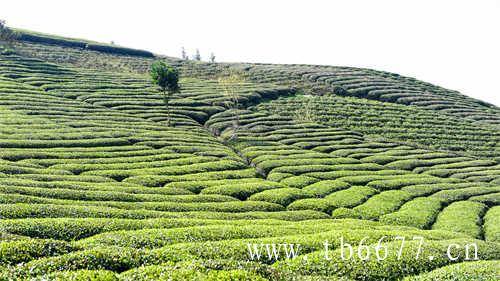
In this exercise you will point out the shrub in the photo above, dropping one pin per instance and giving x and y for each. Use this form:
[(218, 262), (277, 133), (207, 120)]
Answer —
[(241, 190), (464, 217), (397, 183), (155, 238), (78, 228), (391, 268), (269, 165), (420, 212), (459, 165), (282, 196), (449, 196), (277, 177), (70, 194), (160, 180), (323, 188), (382, 203), (199, 185), (492, 224), (465, 271), (298, 181), (80, 275), (153, 272), (492, 199), (109, 258), (80, 168), (355, 174), (12, 252), (345, 213), (316, 204), (361, 178), (16, 211), (120, 175), (428, 189), (350, 197), (163, 273)]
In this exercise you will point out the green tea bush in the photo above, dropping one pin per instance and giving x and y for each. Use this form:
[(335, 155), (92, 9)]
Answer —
[(459, 165), (179, 274), (463, 216), (71, 194), (449, 196), (109, 258), (382, 203), (277, 177), (361, 178), (160, 180), (492, 224), (298, 181), (316, 204), (80, 275), (410, 164), (154, 272), (198, 186), (406, 180), (478, 270), (179, 161), (13, 252), (17, 211), (77, 228), (391, 268), (120, 175), (267, 166), (352, 231), (346, 213), (282, 196), (242, 190), (492, 199), (428, 189), (350, 197), (323, 188), (155, 238), (354, 174), (420, 212)]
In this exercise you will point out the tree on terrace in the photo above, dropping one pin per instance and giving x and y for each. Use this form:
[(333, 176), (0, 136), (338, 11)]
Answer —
[(167, 78)]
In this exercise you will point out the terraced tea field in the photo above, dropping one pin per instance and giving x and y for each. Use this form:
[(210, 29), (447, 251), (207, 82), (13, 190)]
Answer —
[(95, 185)]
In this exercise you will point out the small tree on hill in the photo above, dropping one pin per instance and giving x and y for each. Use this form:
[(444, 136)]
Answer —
[(167, 78), (197, 55), (183, 54), (232, 85), (212, 57), (306, 113), (7, 36)]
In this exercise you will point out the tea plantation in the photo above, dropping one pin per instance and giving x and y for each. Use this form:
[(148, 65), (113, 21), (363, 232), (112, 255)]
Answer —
[(95, 184)]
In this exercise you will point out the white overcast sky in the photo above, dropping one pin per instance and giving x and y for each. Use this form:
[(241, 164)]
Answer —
[(454, 44)]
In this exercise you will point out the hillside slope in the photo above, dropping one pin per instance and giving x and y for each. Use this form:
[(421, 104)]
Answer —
[(94, 184)]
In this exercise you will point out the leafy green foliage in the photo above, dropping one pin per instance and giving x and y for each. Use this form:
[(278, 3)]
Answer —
[(165, 76)]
